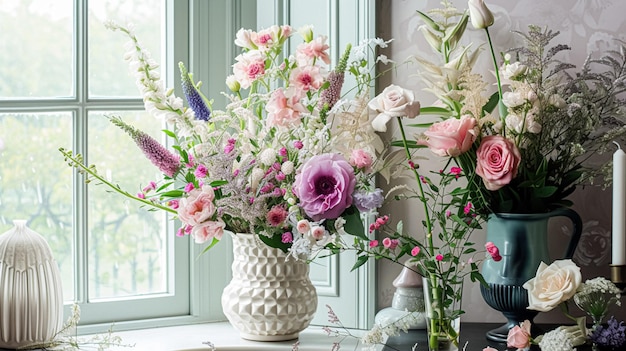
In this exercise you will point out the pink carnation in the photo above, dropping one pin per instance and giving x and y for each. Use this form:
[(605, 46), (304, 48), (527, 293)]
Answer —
[(284, 109), (249, 67), (361, 159), (315, 49), (276, 215), (306, 78)]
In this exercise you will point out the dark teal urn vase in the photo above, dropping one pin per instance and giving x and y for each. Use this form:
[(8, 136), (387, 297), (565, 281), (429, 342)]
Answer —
[(523, 243)]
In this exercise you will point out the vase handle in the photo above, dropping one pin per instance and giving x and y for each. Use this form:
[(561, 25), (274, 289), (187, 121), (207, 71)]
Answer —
[(577, 229)]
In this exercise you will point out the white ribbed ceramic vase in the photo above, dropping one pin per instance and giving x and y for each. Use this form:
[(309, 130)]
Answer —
[(31, 298), (269, 298)]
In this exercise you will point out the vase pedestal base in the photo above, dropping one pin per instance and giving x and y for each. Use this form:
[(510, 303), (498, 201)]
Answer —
[(254, 337), (499, 334)]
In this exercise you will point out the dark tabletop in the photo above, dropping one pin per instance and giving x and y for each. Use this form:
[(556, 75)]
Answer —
[(472, 333)]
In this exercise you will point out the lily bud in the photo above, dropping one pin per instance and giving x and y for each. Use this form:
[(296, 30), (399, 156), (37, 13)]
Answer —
[(431, 37), (480, 15), (306, 32)]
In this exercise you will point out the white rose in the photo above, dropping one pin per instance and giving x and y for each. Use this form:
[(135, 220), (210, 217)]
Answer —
[(513, 99), (553, 284), (394, 101)]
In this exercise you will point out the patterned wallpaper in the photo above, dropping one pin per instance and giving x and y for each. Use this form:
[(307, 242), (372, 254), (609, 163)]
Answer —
[(590, 27)]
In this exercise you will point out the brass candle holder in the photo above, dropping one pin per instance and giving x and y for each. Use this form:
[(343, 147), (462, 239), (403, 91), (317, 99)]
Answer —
[(618, 276)]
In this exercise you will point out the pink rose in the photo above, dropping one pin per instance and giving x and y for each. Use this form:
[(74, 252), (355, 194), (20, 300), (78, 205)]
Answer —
[(451, 137), (324, 186), (208, 230), (284, 108), (198, 207), (519, 337), (318, 232), (394, 101), (303, 226), (497, 161)]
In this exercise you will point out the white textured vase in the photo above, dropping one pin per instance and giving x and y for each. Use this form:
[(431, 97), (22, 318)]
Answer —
[(269, 298), (31, 298)]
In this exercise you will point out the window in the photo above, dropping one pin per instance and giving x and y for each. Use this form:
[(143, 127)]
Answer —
[(62, 73)]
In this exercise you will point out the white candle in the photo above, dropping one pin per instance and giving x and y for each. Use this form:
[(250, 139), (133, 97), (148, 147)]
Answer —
[(619, 207)]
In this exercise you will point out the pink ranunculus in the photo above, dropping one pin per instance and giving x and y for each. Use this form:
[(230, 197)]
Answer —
[(519, 336), (324, 186), (284, 109), (394, 101), (306, 78), (249, 67), (315, 49), (451, 137), (497, 160), (198, 207), (208, 230)]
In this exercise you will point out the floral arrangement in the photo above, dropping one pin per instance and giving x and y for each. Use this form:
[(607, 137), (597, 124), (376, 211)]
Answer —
[(291, 158), (528, 154), (557, 284), (520, 149)]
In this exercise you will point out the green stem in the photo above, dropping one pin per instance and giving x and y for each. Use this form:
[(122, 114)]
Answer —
[(501, 108), (84, 169)]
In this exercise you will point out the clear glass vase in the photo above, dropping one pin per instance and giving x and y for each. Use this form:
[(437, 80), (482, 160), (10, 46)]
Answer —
[(443, 313)]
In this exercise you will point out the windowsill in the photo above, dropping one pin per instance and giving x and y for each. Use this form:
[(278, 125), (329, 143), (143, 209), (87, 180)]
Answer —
[(225, 338)]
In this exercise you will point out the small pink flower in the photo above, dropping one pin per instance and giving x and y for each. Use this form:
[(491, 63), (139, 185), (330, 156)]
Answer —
[(493, 250), (276, 215), (191, 163), (448, 213), (141, 195), (415, 251), (467, 208), (280, 176), (286, 238), (424, 180), (361, 159), (149, 187), (298, 144), (318, 232), (230, 146), (412, 164), (373, 243), (201, 171), (519, 336), (189, 187), (439, 257), (373, 227), (303, 226), (455, 171), (173, 204), (180, 232), (390, 243), (282, 151)]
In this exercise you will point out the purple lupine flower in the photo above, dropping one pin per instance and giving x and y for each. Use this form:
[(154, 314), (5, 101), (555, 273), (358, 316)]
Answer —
[(331, 95), (162, 158), (194, 98)]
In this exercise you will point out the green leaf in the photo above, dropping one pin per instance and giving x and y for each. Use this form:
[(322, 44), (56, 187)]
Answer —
[(411, 144), (173, 193), (274, 241), (428, 21), (354, 224), (492, 103), (215, 241), (217, 183), (433, 110), (545, 191), (360, 260), (169, 133)]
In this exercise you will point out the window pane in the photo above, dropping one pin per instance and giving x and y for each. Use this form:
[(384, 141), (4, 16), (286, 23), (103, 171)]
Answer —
[(35, 183), (108, 72), (126, 243), (36, 47)]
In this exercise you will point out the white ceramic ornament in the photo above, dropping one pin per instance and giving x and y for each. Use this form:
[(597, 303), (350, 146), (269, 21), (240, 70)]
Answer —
[(31, 298)]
